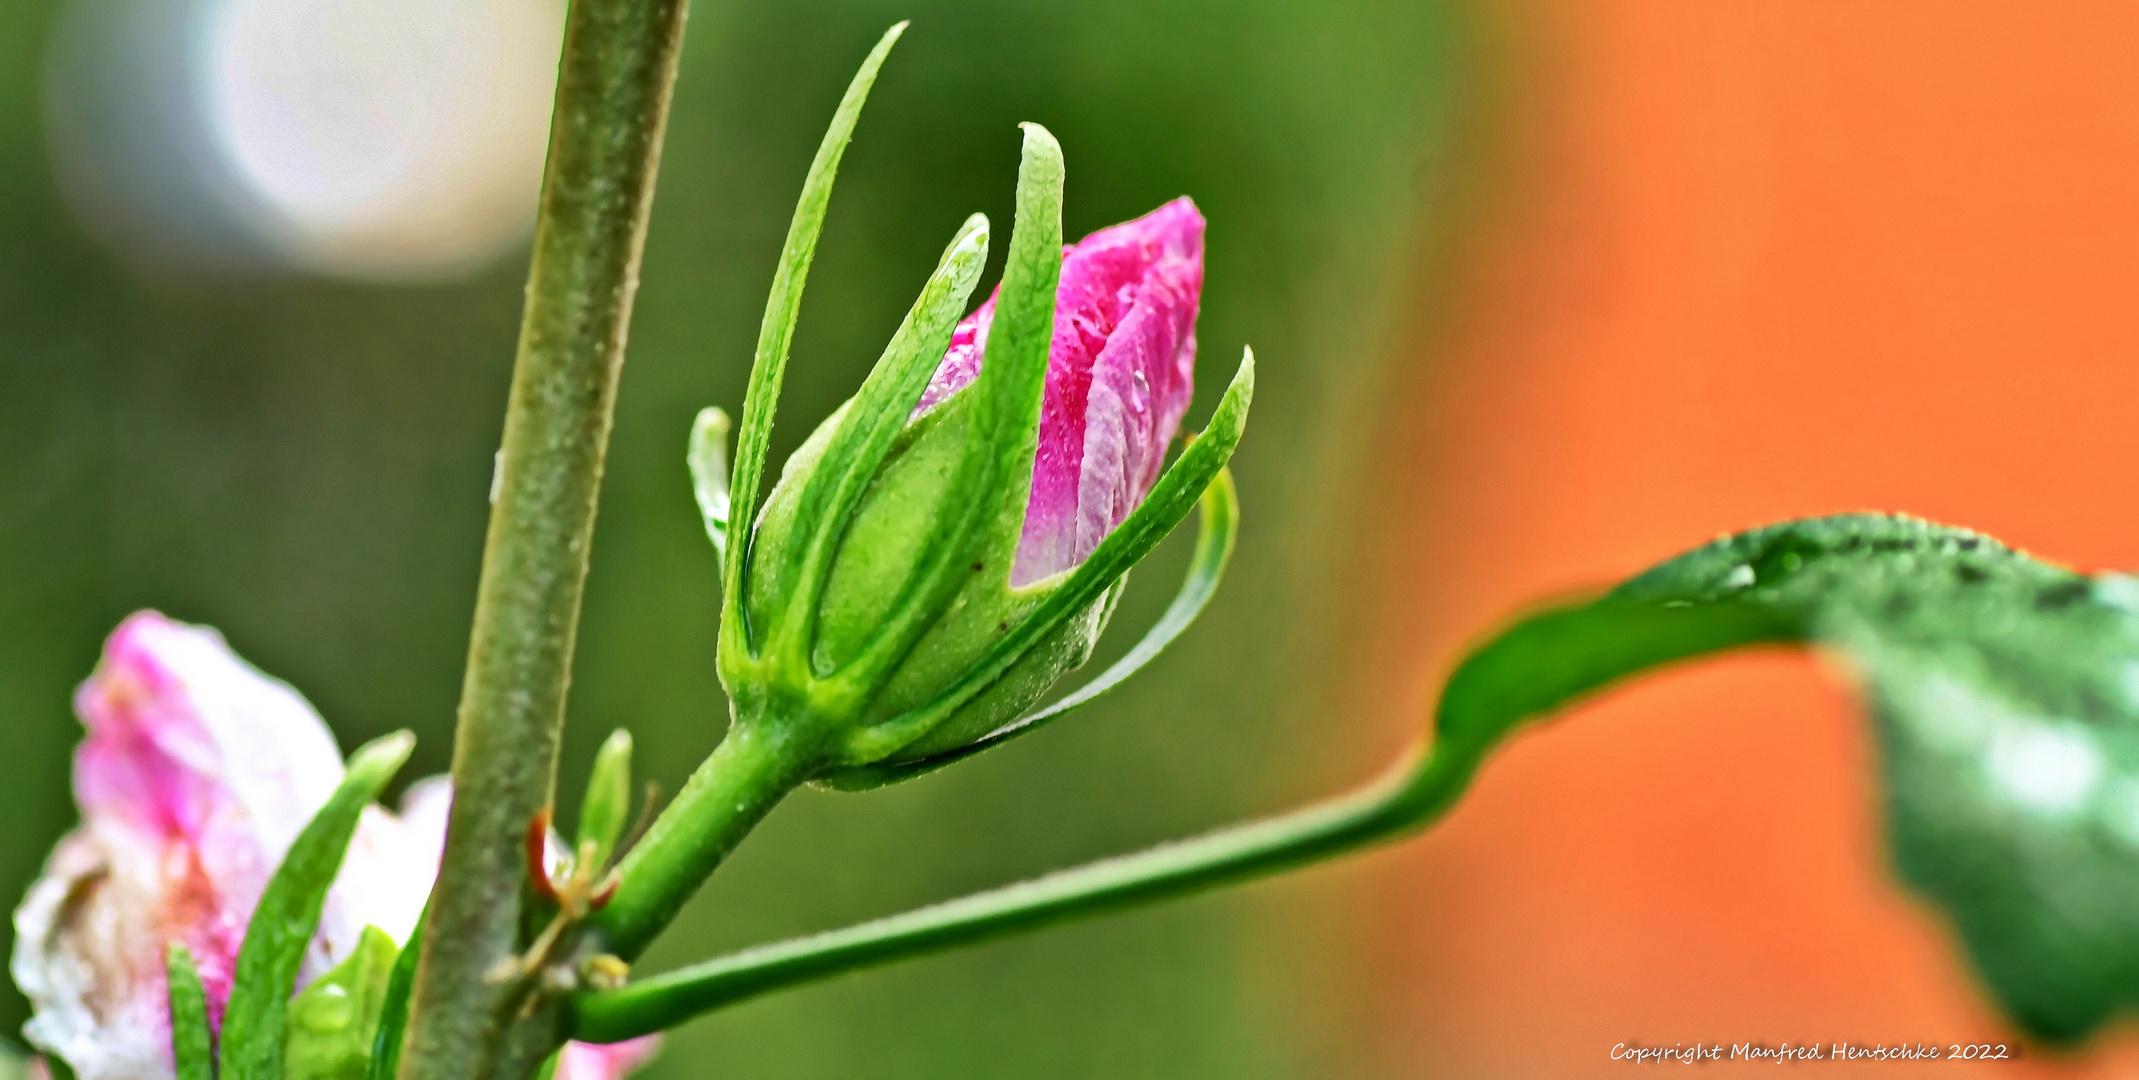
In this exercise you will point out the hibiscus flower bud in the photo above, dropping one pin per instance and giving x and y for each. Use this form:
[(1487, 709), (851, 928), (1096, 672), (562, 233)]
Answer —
[(925, 568), (196, 775)]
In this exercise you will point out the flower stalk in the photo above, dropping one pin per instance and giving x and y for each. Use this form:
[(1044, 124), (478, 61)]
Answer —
[(613, 89)]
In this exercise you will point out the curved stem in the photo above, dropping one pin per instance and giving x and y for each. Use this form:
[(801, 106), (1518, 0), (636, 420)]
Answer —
[(613, 89), (1417, 791), (1534, 667)]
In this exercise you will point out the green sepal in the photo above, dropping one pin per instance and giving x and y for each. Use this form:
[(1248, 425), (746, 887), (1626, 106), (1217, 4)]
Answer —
[(1013, 375), (394, 1003), (255, 1030), (605, 811), (812, 511), (922, 731), (775, 335), (334, 1022), (1218, 528), (192, 1047), (707, 456)]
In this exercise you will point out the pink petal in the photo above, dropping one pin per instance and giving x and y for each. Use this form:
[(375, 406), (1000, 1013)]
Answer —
[(1120, 372), (605, 1061), (197, 773)]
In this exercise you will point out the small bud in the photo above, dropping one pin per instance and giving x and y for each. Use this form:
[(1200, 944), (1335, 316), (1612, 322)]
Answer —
[(542, 857), (604, 972), (606, 809), (899, 596)]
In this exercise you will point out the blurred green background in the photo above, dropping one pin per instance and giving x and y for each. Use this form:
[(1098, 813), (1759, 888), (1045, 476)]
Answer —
[(302, 463)]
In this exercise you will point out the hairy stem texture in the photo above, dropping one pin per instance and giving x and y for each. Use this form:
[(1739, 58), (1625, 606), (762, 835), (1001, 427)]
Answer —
[(613, 90)]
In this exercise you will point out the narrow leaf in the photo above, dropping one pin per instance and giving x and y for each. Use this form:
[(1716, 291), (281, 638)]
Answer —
[(191, 1047), (255, 1031), (1214, 546), (393, 1008), (708, 458), (605, 811), (1013, 371), (777, 333)]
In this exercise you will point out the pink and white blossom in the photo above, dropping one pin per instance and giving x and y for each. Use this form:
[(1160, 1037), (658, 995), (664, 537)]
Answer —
[(196, 775)]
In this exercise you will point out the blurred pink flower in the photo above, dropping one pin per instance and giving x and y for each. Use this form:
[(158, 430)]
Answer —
[(197, 774), (604, 1061), (1120, 372)]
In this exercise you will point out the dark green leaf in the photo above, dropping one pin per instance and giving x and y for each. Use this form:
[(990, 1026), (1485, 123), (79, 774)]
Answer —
[(2004, 695), (255, 1031), (191, 1047)]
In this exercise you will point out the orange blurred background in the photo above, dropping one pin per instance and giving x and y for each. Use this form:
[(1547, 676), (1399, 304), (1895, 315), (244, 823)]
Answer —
[(1744, 262)]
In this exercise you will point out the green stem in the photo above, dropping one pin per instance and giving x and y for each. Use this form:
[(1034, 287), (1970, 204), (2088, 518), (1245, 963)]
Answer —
[(747, 774), (613, 91), (1418, 791), (1540, 664)]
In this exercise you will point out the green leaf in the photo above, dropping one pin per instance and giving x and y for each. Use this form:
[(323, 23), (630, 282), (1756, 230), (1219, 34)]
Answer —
[(334, 1021), (777, 333), (255, 1031), (707, 456), (393, 1005), (605, 811), (1214, 546), (191, 1046), (2003, 692)]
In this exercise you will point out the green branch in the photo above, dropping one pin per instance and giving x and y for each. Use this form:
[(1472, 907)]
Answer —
[(613, 91), (1500, 685), (1930, 614)]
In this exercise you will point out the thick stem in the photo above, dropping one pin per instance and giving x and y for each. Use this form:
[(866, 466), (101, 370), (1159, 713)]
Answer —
[(612, 101), (749, 772)]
